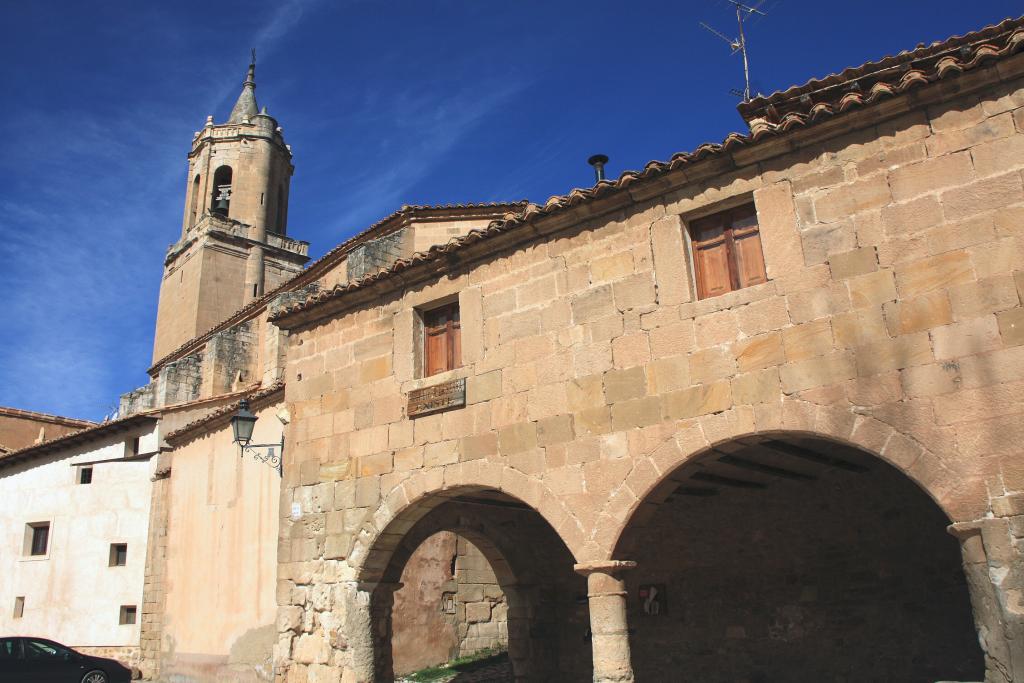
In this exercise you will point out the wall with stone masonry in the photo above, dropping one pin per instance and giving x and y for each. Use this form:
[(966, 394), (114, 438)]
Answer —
[(893, 243), (424, 634), (481, 616)]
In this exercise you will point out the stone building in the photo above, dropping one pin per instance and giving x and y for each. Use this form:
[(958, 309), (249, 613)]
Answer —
[(214, 346), (750, 414), (753, 413)]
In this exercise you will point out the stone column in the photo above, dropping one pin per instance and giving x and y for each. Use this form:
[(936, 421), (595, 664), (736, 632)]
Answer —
[(368, 624), (993, 557), (609, 627)]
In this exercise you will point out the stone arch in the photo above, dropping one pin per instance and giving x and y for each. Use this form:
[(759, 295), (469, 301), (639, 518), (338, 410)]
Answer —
[(960, 493), (220, 195), (731, 519), (533, 564), (408, 501)]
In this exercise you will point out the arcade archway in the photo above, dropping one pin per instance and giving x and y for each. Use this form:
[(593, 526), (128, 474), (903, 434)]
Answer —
[(798, 559)]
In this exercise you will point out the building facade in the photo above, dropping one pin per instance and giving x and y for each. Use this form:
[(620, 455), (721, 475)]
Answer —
[(752, 413), (74, 519)]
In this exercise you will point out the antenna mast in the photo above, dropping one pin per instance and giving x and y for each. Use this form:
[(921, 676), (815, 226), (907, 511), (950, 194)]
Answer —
[(739, 44)]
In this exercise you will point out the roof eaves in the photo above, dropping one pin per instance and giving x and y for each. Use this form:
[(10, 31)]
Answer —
[(982, 53), (317, 268), (79, 437), (257, 399)]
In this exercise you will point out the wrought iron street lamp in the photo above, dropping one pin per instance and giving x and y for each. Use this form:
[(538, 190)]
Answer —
[(242, 424)]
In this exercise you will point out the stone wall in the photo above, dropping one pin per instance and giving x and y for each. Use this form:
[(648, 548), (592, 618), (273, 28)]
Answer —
[(891, 321), (481, 617), (450, 605)]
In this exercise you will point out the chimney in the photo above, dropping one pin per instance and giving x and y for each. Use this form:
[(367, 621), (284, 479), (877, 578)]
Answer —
[(598, 161)]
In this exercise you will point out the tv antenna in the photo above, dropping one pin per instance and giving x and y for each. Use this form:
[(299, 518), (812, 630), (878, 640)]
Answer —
[(739, 44)]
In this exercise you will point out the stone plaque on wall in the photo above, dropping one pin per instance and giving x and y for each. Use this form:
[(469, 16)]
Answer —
[(437, 398)]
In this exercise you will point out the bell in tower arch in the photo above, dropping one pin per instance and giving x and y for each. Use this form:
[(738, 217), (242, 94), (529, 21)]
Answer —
[(221, 190)]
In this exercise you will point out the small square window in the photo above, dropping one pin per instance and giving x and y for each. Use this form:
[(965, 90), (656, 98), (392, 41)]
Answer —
[(84, 475), (727, 251), (118, 554), (127, 614), (19, 607), (37, 539), (442, 339)]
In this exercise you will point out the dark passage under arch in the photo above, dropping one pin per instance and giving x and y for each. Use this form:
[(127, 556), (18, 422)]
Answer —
[(798, 560), (547, 616)]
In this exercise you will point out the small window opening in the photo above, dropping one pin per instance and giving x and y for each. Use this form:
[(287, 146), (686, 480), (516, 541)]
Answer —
[(261, 198), (194, 210), (442, 339), (221, 197), (84, 475), (118, 554), (255, 290), (19, 607), (37, 539), (727, 251), (136, 445), (127, 614), (282, 213)]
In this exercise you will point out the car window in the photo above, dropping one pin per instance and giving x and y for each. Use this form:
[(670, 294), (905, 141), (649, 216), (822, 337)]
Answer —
[(9, 649), (37, 649)]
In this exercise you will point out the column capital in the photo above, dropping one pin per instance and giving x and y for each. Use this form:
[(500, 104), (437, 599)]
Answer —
[(610, 567), (962, 530)]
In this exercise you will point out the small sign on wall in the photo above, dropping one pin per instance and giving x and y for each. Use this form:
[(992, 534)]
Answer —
[(448, 603), (436, 398), (652, 599)]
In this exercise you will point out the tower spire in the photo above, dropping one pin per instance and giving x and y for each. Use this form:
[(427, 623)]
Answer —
[(246, 104)]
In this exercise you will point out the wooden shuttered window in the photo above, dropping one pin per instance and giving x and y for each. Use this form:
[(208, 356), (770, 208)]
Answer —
[(727, 251), (442, 340)]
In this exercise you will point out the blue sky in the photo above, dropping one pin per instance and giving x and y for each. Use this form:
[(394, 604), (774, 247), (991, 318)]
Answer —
[(384, 104)]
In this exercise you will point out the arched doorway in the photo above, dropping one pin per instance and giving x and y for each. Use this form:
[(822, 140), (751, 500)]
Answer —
[(545, 600), (450, 607), (794, 558)]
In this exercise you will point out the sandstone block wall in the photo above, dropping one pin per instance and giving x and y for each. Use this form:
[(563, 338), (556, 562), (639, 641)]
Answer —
[(893, 243), (450, 605)]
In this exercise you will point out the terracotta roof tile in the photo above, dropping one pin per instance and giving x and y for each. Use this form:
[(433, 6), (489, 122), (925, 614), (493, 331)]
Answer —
[(82, 436), (317, 268), (222, 413), (949, 58), (888, 76), (45, 417)]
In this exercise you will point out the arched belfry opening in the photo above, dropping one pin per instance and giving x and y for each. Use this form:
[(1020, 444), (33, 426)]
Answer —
[(536, 593), (193, 211), (220, 200), (795, 558)]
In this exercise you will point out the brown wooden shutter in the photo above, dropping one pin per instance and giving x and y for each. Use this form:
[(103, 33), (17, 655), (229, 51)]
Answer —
[(749, 258), (711, 257), (435, 343), (442, 333)]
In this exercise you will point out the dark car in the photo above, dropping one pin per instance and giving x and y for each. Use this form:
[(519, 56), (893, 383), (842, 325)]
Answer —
[(38, 660)]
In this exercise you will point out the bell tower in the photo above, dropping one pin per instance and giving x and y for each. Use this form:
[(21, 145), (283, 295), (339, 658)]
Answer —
[(234, 245)]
